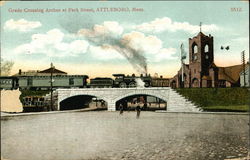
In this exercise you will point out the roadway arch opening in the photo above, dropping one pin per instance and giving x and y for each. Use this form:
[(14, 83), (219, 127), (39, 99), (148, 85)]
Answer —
[(81, 102), (146, 102)]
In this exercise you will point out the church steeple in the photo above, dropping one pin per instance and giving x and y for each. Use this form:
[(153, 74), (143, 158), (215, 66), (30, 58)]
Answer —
[(200, 26), (201, 52)]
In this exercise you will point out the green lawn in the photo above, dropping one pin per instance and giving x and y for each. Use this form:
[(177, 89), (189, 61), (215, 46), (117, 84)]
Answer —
[(231, 108), (218, 99)]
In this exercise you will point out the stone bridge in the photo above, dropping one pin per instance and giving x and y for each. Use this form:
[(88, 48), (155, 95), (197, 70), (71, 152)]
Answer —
[(175, 102)]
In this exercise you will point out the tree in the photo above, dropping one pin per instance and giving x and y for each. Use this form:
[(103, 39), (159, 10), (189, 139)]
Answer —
[(6, 67)]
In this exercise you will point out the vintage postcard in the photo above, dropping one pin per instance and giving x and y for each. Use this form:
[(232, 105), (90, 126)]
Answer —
[(125, 80)]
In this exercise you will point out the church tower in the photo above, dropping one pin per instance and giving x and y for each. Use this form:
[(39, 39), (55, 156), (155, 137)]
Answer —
[(201, 56)]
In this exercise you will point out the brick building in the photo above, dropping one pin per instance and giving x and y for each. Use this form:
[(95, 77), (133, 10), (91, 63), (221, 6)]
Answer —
[(201, 70)]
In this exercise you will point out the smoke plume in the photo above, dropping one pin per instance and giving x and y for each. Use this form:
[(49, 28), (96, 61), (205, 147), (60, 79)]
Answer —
[(135, 57), (109, 33)]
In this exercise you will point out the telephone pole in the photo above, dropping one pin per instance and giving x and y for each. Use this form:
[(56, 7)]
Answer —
[(183, 57), (244, 67), (51, 86), (248, 155)]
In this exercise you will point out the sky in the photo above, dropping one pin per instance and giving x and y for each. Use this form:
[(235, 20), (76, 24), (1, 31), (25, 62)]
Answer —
[(100, 38)]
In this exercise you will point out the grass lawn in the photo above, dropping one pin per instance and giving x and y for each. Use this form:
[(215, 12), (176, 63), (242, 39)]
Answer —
[(232, 108)]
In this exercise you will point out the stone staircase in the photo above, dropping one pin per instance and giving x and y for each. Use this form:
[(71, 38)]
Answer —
[(178, 103)]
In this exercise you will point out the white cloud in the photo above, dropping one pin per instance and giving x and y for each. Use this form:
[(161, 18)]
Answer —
[(150, 45), (108, 28), (74, 48), (165, 54), (51, 44), (51, 37), (166, 24), (21, 25), (139, 42), (105, 52), (241, 39), (78, 46)]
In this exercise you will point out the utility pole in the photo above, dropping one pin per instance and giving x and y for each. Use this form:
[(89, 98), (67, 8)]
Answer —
[(182, 76), (51, 86), (244, 67), (183, 57), (248, 155)]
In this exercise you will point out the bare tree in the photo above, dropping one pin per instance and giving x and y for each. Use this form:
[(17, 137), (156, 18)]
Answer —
[(6, 67)]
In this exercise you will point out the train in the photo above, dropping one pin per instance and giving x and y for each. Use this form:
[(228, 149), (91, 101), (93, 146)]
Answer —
[(43, 82), (121, 81), (81, 81)]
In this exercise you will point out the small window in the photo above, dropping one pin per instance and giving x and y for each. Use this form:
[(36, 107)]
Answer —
[(206, 48), (71, 81), (195, 57), (207, 56), (195, 49), (30, 81)]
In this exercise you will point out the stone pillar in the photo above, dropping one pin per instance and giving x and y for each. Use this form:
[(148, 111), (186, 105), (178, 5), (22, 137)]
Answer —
[(58, 105), (58, 101), (111, 107), (168, 104)]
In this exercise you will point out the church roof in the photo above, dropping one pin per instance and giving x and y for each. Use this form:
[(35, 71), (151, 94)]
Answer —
[(53, 70), (231, 73), (201, 34), (213, 65)]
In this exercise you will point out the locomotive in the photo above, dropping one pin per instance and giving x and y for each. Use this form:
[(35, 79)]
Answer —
[(121, 81)]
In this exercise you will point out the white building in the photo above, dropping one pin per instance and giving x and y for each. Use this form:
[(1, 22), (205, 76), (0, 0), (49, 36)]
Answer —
[(246, 77)]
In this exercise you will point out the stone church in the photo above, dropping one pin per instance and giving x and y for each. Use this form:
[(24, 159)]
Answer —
[(201, 70)]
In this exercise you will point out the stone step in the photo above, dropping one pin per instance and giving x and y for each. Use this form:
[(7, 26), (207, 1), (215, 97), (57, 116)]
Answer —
[(190, 103), (177, 107), (179, 103), (177, 97)]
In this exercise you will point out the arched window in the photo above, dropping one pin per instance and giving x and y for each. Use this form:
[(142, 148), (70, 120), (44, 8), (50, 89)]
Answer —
[(195, 82), (206, 48), (195, 49)]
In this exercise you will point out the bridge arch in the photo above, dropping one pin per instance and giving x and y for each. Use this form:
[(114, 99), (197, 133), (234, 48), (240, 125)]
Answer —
[(145, 101), (137, 94), (80, 95)]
